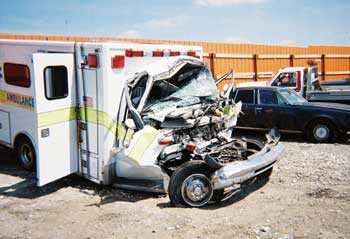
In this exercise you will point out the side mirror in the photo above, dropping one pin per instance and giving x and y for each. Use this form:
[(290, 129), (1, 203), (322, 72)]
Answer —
[(129, 123)]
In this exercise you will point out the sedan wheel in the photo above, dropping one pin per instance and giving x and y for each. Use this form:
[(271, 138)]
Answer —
[(321, 132)]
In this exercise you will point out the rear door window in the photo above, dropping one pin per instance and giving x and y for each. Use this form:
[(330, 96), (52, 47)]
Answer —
[(245, 96), (56, 82), (268, 97)]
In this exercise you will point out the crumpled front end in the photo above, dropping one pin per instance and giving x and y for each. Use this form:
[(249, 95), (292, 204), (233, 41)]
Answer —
[(239, 172), (184, 136)]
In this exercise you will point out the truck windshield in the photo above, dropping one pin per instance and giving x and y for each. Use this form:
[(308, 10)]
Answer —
[(190, 86), (292, 97)]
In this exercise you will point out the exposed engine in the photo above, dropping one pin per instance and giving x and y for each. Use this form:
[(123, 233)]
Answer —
[(202, 133)]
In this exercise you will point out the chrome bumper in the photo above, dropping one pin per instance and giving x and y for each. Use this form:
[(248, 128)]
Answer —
[(240, 171)]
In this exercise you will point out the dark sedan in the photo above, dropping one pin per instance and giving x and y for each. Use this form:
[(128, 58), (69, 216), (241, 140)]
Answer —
[(267, 107)]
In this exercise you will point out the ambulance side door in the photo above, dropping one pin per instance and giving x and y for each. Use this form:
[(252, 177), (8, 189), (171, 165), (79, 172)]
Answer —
[(55, 93)]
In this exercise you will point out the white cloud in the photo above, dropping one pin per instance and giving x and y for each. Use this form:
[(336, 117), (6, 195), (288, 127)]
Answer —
[(232, 39), (288, 43), (162, 23), (130, 34), (226, 2)]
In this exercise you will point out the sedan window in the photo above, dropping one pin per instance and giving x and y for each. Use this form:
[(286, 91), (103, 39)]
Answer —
[(292, 97), (268, 97), (245, 96)]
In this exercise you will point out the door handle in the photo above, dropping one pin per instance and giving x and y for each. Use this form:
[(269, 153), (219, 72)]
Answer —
[(258, 108)]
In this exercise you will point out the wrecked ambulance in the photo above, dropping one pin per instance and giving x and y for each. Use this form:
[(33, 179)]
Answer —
[(141, 116), (182, 136)]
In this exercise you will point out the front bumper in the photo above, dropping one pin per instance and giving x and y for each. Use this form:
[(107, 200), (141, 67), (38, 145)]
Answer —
[(238, 172)]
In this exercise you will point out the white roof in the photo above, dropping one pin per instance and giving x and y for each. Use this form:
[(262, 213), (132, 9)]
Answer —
[(165, 64), (289, 69)]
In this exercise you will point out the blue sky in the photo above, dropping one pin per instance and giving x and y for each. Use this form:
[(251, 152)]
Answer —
[(291, 22)]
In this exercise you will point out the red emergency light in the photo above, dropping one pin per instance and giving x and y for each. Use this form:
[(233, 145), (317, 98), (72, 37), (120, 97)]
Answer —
[(132, 53), (92, 61), (118, 62), (157, 53), (174, 53), (192, 53)]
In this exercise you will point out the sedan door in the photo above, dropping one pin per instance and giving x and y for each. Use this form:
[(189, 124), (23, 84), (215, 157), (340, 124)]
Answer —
[(247, 118), (267, 110), (273, 111)]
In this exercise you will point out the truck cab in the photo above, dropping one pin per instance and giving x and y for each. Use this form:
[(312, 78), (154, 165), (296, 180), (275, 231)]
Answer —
[(290, 77), (306, 83)]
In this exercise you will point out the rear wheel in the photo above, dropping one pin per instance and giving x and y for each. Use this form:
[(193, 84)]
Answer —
[(190, 184), (321, 131), (25, 153)]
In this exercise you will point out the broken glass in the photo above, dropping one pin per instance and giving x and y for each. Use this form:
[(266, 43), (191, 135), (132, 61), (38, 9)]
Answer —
[(189, 88)]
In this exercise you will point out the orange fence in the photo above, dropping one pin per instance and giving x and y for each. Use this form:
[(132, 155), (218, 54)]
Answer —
[(249, 61)]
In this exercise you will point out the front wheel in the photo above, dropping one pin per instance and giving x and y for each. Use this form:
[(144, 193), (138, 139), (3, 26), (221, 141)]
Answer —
[(25, 154), (190, 184)]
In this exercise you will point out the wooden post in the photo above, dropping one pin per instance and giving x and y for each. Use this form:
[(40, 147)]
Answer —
[(323, 66), (212, 64), (291, 60), (255, 67)]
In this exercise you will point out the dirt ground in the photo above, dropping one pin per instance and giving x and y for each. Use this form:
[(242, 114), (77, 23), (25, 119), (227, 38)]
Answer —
[(307, 196)]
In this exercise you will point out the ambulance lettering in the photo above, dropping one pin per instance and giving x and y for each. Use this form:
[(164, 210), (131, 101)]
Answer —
[(20, 100)]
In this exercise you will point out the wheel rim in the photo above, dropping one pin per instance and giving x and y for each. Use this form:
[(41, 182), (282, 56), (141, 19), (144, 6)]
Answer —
[(196, 190), (26, 155), (321, 132)]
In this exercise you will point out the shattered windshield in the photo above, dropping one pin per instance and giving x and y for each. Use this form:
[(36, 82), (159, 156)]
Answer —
[(191, 85)]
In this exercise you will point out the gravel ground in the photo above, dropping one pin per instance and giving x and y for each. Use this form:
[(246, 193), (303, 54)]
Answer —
[(307, 196)]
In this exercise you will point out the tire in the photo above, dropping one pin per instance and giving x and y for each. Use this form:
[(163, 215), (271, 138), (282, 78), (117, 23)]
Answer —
[(25, 154), (321, 131), (191, 176)]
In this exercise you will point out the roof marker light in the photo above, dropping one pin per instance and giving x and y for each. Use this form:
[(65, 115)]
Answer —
[(132, 53), (192, 53), (158, 53), (174, 53)]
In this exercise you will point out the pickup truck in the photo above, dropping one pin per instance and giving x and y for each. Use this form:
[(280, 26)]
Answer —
[(304, 80)]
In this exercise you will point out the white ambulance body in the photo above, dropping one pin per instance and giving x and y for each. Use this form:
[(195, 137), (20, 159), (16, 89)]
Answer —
[(64, 99)]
